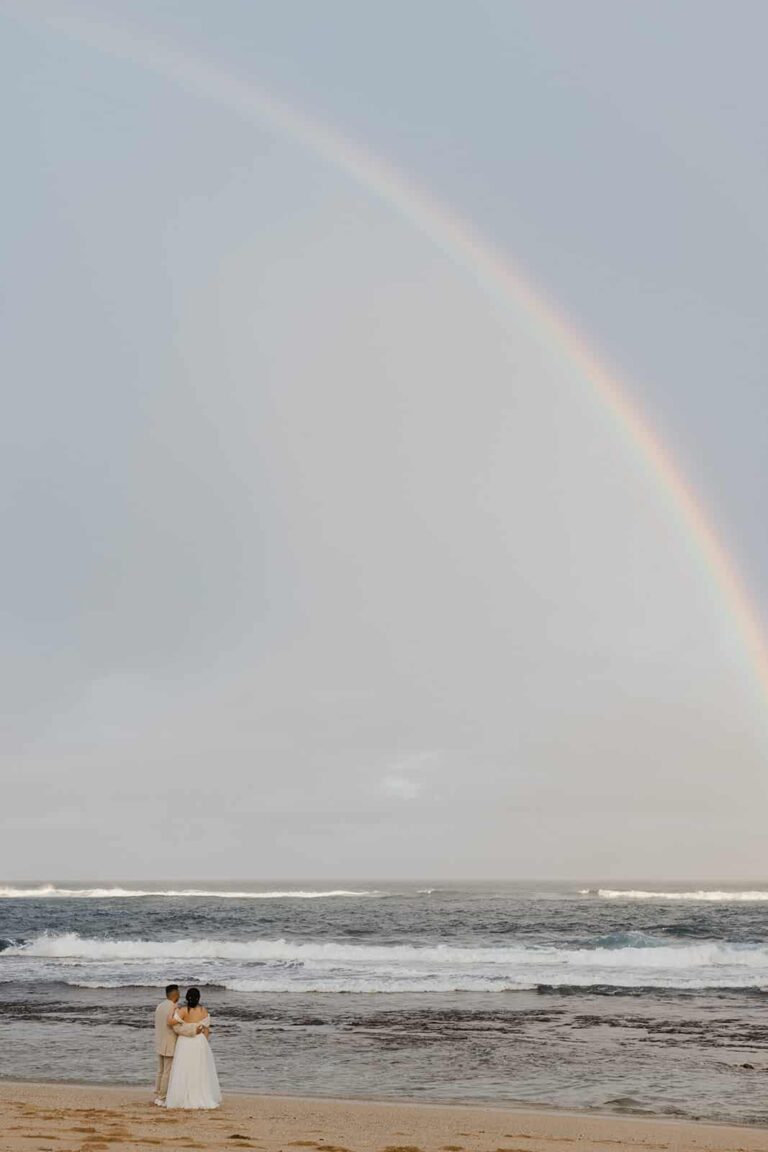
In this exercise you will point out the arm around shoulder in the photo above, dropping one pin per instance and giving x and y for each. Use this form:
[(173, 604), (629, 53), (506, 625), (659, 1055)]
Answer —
[(181, 1028)]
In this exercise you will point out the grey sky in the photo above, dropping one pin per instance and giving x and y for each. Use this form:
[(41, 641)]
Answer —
[(315, 564)]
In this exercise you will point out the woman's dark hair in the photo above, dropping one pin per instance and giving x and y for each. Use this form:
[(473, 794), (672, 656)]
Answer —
[(193, 997)]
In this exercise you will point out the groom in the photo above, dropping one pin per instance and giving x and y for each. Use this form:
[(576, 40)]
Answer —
[(165, 1040)]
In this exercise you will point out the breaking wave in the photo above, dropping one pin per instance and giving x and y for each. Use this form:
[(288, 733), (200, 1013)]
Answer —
[(264, 965), (714, 896), (652, 953)]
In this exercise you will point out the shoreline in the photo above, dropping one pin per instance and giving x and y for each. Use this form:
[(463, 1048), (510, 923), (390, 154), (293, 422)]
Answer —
[(75, 1117), (426, 1102)]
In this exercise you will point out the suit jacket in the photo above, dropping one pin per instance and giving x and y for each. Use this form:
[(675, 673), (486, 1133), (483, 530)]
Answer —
[(165, 1036)]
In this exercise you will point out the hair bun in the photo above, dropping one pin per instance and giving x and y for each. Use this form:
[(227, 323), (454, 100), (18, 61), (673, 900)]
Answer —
[(193, 997)]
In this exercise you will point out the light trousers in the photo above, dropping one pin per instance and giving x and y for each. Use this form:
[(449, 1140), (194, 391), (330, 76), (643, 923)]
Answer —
[(163, 1075)]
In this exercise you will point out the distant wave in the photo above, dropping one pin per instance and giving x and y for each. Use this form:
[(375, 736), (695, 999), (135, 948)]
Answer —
[(49, 891), (714, 896), (316, 965)]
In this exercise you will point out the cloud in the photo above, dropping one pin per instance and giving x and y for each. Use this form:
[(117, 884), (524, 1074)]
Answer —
[(404, 779)]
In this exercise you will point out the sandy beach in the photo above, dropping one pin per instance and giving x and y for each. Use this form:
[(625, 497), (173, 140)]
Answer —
[(83, 1118)]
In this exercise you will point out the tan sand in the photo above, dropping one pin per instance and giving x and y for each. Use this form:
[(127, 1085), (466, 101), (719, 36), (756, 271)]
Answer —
[(65, 1118)]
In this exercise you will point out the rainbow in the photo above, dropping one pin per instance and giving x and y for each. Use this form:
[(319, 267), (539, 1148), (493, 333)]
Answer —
[(465, 246)]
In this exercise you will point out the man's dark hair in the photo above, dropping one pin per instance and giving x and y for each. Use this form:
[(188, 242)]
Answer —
[(171, 988)]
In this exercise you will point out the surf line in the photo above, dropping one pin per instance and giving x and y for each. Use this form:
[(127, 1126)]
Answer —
[(465, 246)]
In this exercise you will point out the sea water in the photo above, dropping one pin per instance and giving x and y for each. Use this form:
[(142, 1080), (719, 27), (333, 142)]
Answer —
[(634, 998)]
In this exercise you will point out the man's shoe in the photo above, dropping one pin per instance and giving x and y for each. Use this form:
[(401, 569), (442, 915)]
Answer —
[(160, 1103)]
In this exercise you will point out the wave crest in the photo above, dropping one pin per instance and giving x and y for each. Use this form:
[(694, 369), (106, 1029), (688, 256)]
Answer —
[(650, 953), (715, 896)]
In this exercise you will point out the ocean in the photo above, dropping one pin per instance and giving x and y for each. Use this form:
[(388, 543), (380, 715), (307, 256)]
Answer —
[(636, 998)]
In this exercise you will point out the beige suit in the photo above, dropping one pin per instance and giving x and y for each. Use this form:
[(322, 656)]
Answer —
[(165, 1044)]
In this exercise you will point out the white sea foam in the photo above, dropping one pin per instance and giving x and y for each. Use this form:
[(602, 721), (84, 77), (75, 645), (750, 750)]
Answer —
[(658, 955), (49, 891), (714, 896), (72, 946), (319, 965), (369, 985)]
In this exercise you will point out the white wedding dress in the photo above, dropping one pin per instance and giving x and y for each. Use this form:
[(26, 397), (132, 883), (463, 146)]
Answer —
[(193, 1082)]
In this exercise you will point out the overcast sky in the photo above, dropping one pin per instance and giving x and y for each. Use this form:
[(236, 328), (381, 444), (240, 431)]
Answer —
[(317, 564)]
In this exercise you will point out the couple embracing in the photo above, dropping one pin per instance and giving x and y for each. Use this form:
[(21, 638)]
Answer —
[(186, 1069)]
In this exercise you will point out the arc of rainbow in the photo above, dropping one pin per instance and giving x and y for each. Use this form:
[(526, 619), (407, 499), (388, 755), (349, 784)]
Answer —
[(460, 240)]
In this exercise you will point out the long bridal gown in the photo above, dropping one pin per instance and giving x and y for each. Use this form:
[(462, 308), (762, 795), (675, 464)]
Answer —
[(193, 1082)]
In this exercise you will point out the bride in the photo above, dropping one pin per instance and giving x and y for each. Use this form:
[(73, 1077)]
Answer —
[(193, 1082)]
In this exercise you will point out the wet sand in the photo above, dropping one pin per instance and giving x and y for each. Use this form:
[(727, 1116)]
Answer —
[(86, 1118)]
